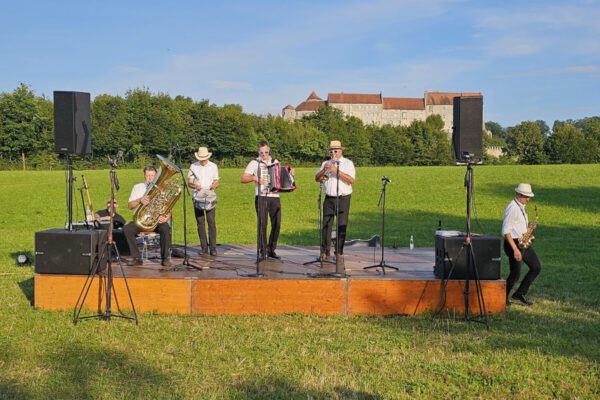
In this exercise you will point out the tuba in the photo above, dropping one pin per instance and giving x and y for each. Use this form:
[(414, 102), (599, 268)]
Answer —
[(527, 239), (164, 191)]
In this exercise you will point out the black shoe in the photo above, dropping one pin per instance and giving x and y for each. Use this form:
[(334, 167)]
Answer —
[(272, 254), (213, 252), (522, 299), (166, 263), (204, 252), (262, 257), (134, 262)]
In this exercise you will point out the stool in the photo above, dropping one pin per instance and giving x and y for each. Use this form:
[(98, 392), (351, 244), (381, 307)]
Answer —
[(149, 241)]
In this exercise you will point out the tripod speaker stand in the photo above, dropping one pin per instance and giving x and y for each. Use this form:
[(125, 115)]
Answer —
[(382, 264)]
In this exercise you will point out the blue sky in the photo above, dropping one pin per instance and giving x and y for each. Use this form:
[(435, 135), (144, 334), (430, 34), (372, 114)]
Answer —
[(530, 59)]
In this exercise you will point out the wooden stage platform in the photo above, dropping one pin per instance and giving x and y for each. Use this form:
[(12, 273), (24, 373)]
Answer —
[(218, 285)]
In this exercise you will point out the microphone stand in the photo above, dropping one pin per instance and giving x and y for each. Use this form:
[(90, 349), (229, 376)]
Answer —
[(107, 249), (186, 261), (381, 204), (260, 210), (319, 259)]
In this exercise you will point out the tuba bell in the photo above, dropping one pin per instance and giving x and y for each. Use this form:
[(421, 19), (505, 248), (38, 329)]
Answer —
[(164, 191)]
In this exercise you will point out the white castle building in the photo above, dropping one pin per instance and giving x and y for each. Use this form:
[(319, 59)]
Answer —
[(378, 110)]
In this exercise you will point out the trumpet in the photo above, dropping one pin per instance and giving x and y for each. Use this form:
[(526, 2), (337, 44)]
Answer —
[(327, 171)]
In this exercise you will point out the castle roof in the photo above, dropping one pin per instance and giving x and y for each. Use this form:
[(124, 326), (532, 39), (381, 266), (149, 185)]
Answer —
[(289, 107), (313, 102), (403, 103), (354, 98), (445, 98)]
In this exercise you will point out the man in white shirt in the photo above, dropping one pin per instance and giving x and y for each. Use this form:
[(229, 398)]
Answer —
[(265, 201), (131, 230), (204, 175), (337, 172), (514, 225)]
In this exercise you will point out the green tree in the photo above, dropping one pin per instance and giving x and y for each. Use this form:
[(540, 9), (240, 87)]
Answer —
[(497, 130), (526, 142), (391, 145), (568, 145)]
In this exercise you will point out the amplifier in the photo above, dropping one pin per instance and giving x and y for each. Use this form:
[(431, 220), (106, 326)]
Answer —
[(58, 251), (449, 252)]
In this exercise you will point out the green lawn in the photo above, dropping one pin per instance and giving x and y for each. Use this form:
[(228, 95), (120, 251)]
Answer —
[(550, 350)]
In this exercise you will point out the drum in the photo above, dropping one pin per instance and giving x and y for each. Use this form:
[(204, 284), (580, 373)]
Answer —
[(205, 199), (280, 179)]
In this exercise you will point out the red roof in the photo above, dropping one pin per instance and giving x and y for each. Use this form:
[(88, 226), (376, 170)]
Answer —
[(310, 105), (313, 96), (445, 98), (354, 98), (403, 103)]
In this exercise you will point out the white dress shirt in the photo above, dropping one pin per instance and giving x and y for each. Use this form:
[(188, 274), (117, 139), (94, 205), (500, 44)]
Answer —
[(203, 174), (330, 185), (258, 167), (515, 220), (138, 191)]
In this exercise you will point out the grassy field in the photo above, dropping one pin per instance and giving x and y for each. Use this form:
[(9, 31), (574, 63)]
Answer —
[(551, 350)]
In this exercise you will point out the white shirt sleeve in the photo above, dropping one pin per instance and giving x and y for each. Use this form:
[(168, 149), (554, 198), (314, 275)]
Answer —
[(252, 168)]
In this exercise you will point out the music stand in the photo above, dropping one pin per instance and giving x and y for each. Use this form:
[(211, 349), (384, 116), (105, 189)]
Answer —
[(260, 215), (382, 264), (107, 249)]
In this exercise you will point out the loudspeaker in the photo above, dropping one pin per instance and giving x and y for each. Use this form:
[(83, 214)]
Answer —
[(467, 135), (58, 251), (449, 252), (72, 127)]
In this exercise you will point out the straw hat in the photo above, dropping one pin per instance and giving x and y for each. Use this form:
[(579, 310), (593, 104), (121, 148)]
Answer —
[(202, 154), (524, 189), (335, 144)]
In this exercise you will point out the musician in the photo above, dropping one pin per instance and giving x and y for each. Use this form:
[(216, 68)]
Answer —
[(265, 202), (104, 215), (204, 174), (514, 226), (137, 198), (336, 167)]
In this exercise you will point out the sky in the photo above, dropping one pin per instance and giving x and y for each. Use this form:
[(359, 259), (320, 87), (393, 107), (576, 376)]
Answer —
[(531, 60)]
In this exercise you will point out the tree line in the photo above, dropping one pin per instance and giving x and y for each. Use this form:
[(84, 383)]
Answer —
[(143, 124)]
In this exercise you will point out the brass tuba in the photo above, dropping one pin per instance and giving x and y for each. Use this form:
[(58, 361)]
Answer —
[(164, 191)]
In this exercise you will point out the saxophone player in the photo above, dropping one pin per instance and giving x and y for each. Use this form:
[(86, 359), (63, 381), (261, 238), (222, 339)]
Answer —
[(131, 230), (515, 224)]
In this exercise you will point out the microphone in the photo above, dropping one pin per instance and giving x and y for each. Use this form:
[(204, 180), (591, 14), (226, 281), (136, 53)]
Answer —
[(386, 179)]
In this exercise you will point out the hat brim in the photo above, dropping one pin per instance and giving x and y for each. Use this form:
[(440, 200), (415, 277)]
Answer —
[(526, 194), (198, 157)]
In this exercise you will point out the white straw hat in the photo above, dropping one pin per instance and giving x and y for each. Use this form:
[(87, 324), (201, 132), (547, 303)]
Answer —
[(202, 154), (524, 189)]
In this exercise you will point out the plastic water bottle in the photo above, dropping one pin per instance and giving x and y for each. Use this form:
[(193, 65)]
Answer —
[(412, 242)]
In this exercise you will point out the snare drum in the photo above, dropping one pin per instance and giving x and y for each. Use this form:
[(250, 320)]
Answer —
[(280, 179), (205, 199)]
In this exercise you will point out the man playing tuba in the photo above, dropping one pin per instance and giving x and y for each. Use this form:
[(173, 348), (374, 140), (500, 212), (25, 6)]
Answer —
[(131, 230)]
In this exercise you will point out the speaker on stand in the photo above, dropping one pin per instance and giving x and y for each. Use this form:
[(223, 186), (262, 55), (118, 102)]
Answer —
[(72, 135), (467, 134)]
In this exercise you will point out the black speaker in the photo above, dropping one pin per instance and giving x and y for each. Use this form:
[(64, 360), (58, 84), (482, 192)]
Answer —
[(449, 252), (467, 135), (72, 127), (58, 251)]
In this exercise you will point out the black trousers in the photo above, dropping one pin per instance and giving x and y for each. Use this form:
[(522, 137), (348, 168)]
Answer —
[(209, 217), (131, 230), (271, 207), (530, 259), (329, 212)]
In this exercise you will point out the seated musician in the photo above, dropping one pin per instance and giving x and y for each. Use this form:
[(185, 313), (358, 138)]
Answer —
[(104, 215), (137, 197)]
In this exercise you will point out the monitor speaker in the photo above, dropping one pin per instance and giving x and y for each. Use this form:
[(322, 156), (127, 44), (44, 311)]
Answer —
[(58, 251), (72, 127), (467, 135), (450, 255)]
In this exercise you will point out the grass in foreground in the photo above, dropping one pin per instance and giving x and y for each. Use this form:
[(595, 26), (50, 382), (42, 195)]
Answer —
[(551, 350)]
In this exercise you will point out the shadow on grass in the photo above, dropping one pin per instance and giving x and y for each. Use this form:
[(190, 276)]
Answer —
[(279, 388), (27, 289)]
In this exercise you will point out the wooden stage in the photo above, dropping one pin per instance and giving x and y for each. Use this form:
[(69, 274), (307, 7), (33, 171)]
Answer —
[(218, 286)]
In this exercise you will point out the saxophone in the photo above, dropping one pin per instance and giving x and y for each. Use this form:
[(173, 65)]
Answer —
[(164, 192), (90, 216), (527, 239)]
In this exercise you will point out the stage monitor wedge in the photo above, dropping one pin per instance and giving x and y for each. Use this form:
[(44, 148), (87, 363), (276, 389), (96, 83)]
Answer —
[(72, 126), (467, 135)]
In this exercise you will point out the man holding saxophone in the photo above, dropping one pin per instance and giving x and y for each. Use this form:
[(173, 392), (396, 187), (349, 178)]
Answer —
[(515, 226), (204, 179), (131, 230)]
